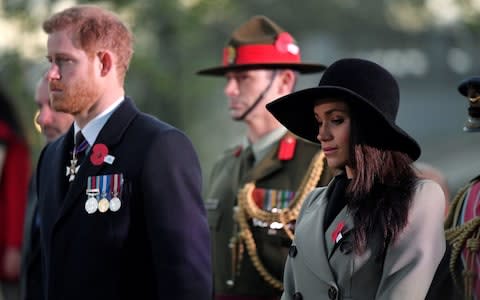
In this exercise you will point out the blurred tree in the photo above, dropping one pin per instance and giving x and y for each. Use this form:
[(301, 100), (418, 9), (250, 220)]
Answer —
[(175, 38)]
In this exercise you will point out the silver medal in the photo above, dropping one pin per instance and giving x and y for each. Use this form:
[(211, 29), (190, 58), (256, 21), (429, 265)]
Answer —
[(115, 204), (91, 205)]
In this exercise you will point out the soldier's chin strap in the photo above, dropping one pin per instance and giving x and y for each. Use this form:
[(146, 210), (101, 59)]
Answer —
[(260, 97)]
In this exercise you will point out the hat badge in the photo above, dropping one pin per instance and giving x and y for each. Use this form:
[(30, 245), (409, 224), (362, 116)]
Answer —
[(229, 55), (285, 43)]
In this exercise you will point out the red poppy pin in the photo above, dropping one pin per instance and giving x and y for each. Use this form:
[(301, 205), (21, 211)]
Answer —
[(237, 151), (99, 152), (337, 233)]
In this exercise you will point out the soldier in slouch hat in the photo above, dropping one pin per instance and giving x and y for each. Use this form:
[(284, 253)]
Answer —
[(256, 188)]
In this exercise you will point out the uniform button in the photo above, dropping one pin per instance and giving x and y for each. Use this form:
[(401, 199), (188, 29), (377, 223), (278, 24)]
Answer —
[(332, 292), (297, 296), (346, 247), (292, 252)]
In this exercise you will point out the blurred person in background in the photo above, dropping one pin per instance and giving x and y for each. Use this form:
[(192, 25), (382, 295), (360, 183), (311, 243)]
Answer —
[(119, 195), (256, 189), (463, 221), (52, 124), (15, 172)]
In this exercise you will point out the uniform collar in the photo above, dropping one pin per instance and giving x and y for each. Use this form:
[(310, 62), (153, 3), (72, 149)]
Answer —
[(263, 145)]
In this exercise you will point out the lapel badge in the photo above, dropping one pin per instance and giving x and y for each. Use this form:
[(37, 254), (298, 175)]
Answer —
[(337, 233), (109, 159), (287, 147), (229, 55)]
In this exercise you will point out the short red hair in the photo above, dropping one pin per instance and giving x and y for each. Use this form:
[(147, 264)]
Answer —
[(94, 28)]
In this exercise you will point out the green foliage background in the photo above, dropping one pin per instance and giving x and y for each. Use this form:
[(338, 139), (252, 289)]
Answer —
[(174, 39)]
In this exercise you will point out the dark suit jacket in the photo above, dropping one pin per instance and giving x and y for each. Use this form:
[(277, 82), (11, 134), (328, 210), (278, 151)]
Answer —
[(157, 246)]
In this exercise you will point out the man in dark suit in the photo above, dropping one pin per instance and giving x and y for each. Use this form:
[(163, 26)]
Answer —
[(52, 125), (121, 215), (256, 189)]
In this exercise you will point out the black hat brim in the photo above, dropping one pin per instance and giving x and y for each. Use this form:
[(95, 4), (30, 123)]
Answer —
[(303, 68), (472, 81), (295, 112)]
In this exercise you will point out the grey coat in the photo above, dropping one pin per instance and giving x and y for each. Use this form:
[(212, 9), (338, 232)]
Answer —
[(320, 268)]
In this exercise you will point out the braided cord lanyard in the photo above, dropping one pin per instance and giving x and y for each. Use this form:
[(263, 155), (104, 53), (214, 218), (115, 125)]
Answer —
[(248, 210), (463, 237)]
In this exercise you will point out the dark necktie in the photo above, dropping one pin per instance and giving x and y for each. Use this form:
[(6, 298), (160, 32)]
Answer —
[(247, 160), (81, 146)]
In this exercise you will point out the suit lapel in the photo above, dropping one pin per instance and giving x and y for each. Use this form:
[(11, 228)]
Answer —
[(63, 160), (58, 154), (110, 135)]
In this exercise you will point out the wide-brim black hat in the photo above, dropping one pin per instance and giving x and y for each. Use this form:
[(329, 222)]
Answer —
[(261, 44), (467, 83), (366, 86)]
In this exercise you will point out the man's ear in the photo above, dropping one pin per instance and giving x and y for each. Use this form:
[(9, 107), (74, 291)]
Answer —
[(105, 62), (287, 81)]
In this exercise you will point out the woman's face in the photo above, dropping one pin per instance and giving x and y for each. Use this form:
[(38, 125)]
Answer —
[(333, 117)]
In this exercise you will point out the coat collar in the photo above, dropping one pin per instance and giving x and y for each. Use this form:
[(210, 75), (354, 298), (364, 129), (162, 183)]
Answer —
[(268, 165), (110, 135)]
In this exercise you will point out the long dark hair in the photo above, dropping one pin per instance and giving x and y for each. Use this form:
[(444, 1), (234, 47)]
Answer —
[(380, 193)]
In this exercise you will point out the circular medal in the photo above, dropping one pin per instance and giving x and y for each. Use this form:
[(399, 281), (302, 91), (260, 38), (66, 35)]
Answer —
[(91, 205), (115, 204), (103, 205)]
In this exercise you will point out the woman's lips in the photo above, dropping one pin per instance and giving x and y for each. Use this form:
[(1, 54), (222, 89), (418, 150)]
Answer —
[(329, 150)]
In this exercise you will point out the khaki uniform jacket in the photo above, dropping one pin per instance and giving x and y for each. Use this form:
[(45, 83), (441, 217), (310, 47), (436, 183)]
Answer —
[(272, 245), (320, 268)]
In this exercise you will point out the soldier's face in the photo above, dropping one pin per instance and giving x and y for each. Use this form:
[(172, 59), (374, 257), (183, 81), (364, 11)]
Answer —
[(333, 118), (244, 87)]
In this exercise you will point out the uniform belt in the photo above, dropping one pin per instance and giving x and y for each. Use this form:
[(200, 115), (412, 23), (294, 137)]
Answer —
[(221, 297)]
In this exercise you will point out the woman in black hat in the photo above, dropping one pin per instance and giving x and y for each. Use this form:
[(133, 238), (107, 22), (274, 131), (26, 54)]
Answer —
[(376, 232)]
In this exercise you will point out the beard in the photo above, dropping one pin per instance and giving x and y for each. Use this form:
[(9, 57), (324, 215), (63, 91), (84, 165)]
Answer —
[(75, 97)]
